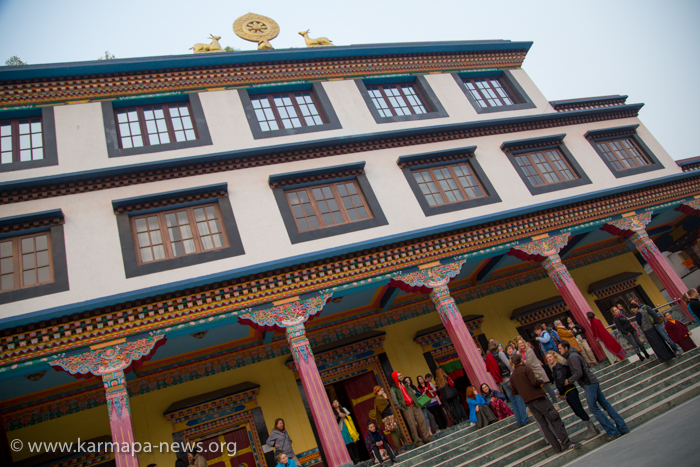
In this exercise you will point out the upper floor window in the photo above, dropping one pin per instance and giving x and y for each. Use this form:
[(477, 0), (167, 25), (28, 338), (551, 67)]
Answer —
[(398, 100), (322, 206), (28, 142), (545, 164), (21, 140), (545, 167), (25, 261), (154, 126), (185, 231), (392, 100), (286, 111), (493, 91), (489, 92), (623, 151), (450, 184), (151, 125)]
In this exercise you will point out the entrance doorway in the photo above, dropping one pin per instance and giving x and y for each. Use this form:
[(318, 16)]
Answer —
[(355, 394), (230, 449), (623, 299), (528, 331)]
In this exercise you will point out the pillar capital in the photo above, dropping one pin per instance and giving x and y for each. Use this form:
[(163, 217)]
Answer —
[(544, 246), (432, 276), (109, 359), (635, 223), (298, 343), (691, 208), (283, 315)]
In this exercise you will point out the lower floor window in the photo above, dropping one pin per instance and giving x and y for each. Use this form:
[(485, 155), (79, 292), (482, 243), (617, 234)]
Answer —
[(179, 232), (321, 206), (25, 261)]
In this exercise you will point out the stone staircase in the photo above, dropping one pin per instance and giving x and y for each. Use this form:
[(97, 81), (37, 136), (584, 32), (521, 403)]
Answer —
[(639, 391)]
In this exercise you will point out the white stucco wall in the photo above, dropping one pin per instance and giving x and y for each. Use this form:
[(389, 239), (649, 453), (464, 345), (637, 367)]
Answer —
[(95, 265)]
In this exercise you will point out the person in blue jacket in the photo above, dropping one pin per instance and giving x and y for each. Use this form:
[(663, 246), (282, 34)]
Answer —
[(480, 413)]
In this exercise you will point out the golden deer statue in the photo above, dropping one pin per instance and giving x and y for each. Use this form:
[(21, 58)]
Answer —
[(318, 42), (213, 47)]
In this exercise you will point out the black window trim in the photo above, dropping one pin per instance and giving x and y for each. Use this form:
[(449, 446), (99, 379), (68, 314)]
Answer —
[(378, 217), (540, 144), (432, 104), (490, 198), (320, 99), (112, 136), (131, 266), (48, 130), (524, 101), (58, 257), (608, 134)]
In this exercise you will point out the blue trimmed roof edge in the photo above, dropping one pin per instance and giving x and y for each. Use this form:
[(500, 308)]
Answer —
[(130, 65), (336, 251)]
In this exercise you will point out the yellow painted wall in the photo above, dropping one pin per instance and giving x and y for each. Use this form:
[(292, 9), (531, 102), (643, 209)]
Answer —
[(279, 396)]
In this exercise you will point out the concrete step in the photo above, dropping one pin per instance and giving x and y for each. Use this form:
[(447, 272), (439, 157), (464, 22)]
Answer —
[(630, 387), (490, 442)]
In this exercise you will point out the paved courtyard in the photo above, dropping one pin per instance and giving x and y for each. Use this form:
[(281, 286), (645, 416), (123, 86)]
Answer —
[(670, 439)]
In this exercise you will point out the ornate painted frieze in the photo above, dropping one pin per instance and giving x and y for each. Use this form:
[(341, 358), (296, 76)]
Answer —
[(17, 415), (542, 314), (281, 316), (24, 345), (432, 276), (546, 246), (617, 288), (212, 410)]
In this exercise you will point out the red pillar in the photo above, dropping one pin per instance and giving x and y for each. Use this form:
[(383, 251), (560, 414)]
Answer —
[(633, 226), (573, 297), (460, 336), (332, 441), (120, 418)]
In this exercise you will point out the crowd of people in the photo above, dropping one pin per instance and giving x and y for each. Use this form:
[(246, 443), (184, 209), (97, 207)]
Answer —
[(526, 387)]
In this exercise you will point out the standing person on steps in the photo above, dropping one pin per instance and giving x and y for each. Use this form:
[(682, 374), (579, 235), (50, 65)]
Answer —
[(347, 429), (524, 383), (528, 357), (612, 348), (405, 399), (657, 343), (568, 392), (692, 301), (425, 386), (280, 440), (521, 417), (581, 374), (657, 323), (578, 332), (450, 396), (626, 329), (386, 419), (679, 333)]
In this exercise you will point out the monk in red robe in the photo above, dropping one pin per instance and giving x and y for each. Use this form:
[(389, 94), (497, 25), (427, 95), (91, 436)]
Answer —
[(679, 333)]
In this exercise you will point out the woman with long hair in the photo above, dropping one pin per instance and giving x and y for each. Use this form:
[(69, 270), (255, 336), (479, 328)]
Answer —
[(429, 418), (347, 429), (480, 414), (578, 332), (661, 349), (450, 396), (530, 360), (496, 400), (561, 372), (435, 407), (386, 420), (280, 440)]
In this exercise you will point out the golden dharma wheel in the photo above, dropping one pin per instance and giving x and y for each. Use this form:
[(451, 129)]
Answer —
[(256, 28)]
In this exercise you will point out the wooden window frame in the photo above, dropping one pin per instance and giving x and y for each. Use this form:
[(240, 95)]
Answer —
[(14, 124), (556, 170), (382, 90), (338, 200), (455, 178), (18, 272), (510, 94), (142, 123), (617, 160), (166, 238), (278, 119)]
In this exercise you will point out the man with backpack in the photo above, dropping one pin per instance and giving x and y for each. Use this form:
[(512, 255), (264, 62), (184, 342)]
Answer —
[(546, 338)]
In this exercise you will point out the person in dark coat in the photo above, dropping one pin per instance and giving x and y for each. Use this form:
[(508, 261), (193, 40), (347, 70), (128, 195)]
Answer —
[(658, 345), (524, 383), (679, 333), (375, 441), (568, 392), (626, 329)]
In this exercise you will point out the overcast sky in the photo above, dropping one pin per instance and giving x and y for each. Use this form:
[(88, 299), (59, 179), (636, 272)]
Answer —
[(645, 49)]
